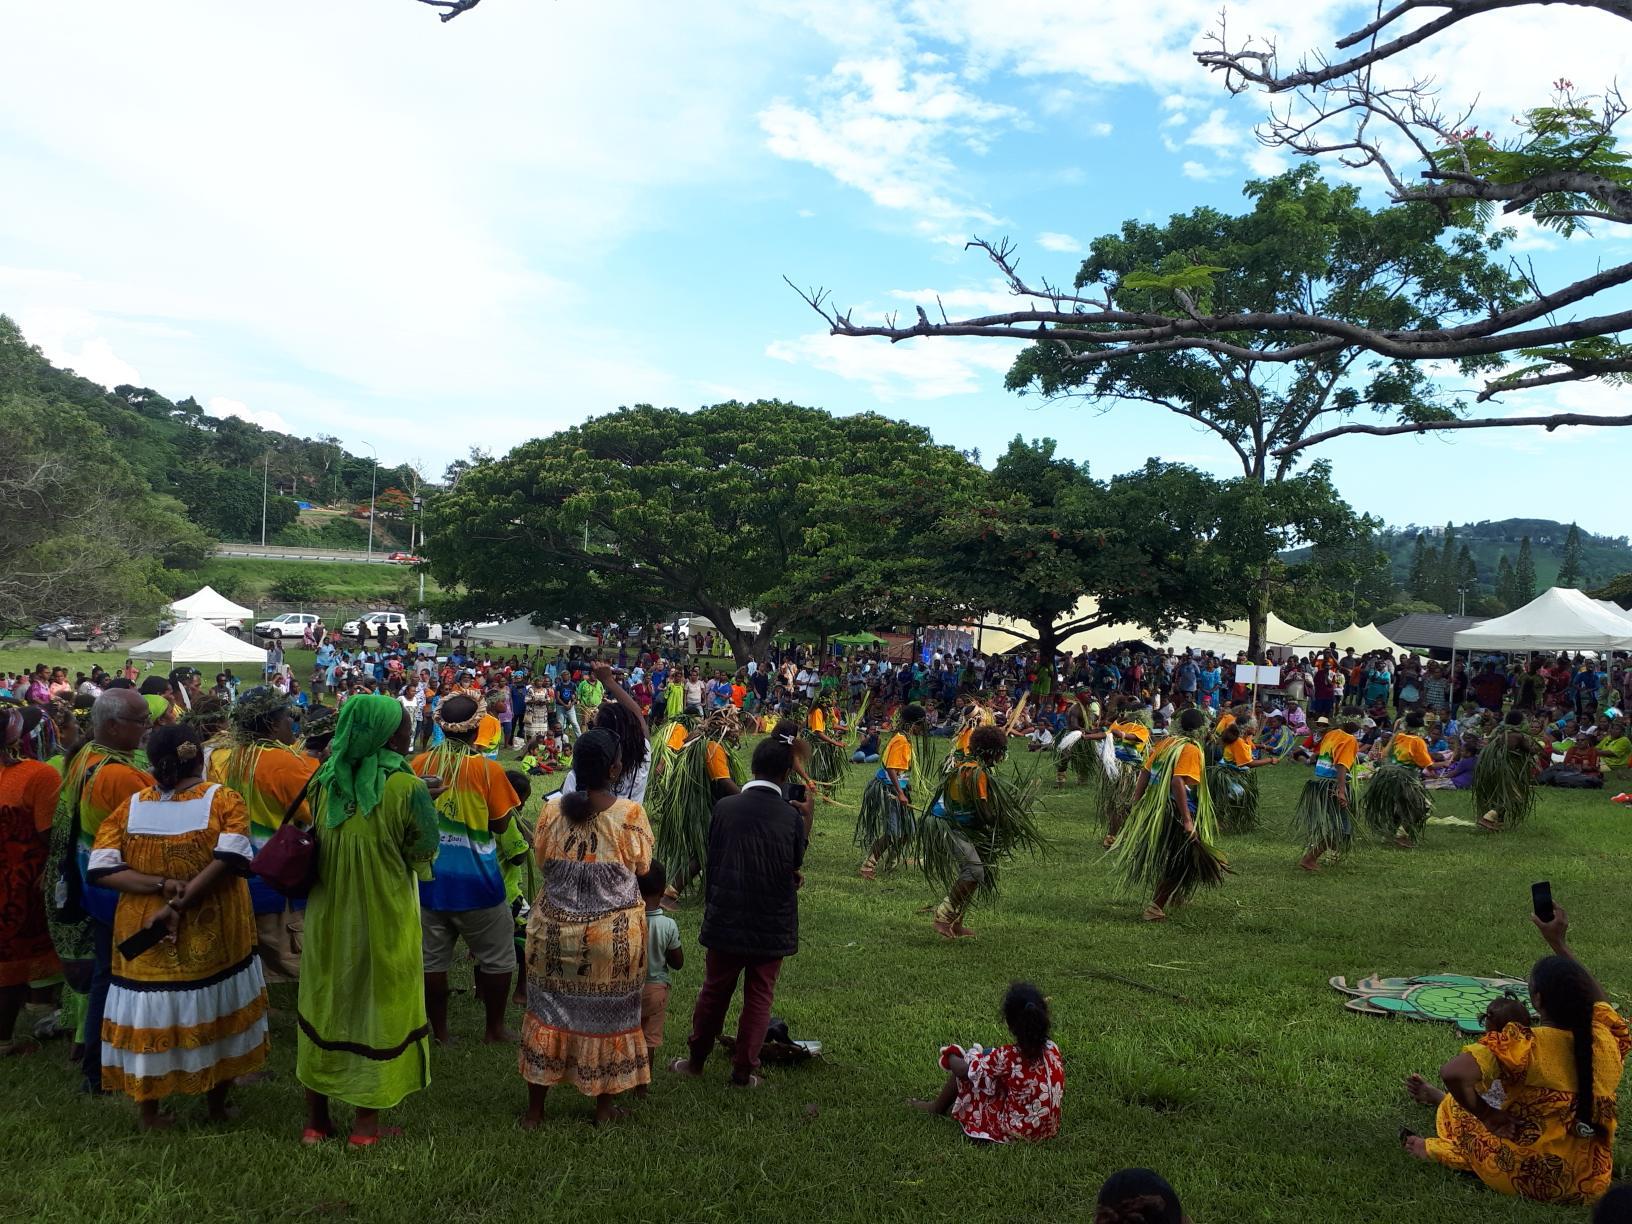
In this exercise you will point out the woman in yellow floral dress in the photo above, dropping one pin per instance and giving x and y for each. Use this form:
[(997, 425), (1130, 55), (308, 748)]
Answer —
[(1553, 1136), (586, 940), (188, 1015)]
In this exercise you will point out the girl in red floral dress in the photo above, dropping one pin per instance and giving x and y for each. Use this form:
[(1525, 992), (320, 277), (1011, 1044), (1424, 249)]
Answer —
[(1013, 1091)]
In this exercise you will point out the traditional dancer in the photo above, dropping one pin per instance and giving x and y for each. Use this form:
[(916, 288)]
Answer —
[(1167, 843), (1231, 782), (976, 819), (827, 748), (1323, 808), (1502, 789), (885, 823), (1131, 737), (1078, 754), (1394, 803), (693, 769)]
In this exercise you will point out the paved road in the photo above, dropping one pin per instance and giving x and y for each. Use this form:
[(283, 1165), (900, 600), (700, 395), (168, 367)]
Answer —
[(284, 552)]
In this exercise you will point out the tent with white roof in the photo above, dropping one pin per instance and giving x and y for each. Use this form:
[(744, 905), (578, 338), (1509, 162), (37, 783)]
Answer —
[(522, 632), (207, 603), (198, 641), (1363, 638), (1558, 619)]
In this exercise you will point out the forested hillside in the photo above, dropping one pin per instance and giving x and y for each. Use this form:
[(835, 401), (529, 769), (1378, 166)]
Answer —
[(1492, 567)]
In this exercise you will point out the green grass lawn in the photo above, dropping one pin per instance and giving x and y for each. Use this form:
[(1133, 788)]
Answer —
[(1237, 1073)]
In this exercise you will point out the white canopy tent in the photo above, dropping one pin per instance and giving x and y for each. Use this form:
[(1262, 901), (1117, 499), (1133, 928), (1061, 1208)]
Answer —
[(1557, 619), (1363, 638), (198, 641), (741, 619), (1609, 605), (522, 632), (207, 603), (994, 635)]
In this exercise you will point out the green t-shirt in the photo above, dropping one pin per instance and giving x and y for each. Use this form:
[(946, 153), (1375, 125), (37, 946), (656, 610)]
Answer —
[(590, 695), (662, 933), (512, 850)]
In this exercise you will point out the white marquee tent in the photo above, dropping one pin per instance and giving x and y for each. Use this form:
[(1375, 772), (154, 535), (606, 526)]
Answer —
[(198, 641), (522, 632), (208, 604), (1230, 638), (1557, 619), (741, 618), (1364, 639)]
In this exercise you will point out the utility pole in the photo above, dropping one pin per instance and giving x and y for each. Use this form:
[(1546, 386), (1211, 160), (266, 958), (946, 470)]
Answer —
[(373, 478), (419, 504), (266, 465)]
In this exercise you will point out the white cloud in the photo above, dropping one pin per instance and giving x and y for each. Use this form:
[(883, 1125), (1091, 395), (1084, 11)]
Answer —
[(992, 298), (1216, 133), (1050, 241), (1102, 128), (73, 338), (889, 132), (221, 406), (902, 371), (1195, 170)]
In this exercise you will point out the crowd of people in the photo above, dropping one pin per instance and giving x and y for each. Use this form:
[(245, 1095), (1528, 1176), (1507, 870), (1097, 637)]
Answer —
[(171, 848)]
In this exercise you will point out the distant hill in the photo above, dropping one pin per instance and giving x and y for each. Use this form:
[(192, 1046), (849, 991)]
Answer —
[(1602, 557)]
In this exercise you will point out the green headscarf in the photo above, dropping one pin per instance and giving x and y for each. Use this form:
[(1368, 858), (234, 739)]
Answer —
[(353, 777)]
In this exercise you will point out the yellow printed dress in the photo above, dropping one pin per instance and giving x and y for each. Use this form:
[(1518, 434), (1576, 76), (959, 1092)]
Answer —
[(586, 952), (1547, 1161), (188, 1016)]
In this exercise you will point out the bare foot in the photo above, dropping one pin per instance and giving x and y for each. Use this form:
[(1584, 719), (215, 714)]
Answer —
[(1404, 842), (944, 929), (867, 871), (1422, 1092), (927, 1106), (1108, 841), (502, 1037), (1154, 913), (1310, 865), (529, 1123), (1415, 1145), (616, 1114)]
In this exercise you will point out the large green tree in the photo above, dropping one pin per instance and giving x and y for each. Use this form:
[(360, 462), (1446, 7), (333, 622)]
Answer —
[(1158, 547), (1524, 575), (83, 533), (1569, 569), (800, 516)]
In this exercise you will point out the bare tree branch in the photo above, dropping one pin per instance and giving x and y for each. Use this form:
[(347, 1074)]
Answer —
[(1549, 423), (453, 7)]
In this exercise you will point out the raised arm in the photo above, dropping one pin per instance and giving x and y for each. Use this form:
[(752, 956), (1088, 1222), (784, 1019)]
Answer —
[(1556, 934), (603, 673)]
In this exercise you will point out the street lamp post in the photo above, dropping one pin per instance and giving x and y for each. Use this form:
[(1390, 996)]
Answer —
[(419, 504), (266, 464), (373, 477)]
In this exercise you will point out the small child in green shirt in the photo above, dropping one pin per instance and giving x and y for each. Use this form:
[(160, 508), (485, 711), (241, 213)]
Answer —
[(513, 852), (663, 953)]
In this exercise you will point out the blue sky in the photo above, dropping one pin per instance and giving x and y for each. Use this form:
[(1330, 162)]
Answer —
[(356, 219)]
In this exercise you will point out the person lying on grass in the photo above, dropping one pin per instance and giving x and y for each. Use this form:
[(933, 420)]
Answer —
[(1013, 1091), (1553, 1138)]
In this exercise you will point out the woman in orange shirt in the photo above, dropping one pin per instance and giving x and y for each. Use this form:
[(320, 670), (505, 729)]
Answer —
[(1395, 803), (1167, 842), (1231, 783), (1323, 808)]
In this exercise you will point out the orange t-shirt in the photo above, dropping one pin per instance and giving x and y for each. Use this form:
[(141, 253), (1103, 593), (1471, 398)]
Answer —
[(1410, 750), (1240, 752), (719, 769), (1188, 765), (1224, 723), (897, 753)]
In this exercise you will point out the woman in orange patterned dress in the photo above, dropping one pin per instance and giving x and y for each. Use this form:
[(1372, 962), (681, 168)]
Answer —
[(1553, 1137), (28, 798), (586, 940), (187, 1015)]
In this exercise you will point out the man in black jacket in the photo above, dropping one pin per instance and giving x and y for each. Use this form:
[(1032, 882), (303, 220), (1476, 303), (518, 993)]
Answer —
[(756, 844)]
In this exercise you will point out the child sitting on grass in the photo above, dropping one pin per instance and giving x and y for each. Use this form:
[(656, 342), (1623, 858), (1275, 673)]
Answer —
[(663, 953), (1014, 1091)]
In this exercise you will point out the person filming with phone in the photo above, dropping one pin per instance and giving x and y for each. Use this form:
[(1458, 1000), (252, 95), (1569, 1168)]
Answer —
[(1553, 1136), (756, 846)]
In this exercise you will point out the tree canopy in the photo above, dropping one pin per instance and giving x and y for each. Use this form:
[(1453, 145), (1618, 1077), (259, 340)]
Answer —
[(800, 516)]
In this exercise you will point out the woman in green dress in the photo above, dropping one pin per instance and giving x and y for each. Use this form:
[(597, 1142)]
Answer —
[(364, 1037)]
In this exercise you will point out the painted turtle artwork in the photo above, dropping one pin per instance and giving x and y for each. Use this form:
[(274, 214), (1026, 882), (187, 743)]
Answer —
[(1449, 998)]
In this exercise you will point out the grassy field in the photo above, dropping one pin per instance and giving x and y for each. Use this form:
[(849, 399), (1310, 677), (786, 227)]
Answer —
[(1234, 1070)]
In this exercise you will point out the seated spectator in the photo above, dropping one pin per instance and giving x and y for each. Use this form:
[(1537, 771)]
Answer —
[(1010, 1092)]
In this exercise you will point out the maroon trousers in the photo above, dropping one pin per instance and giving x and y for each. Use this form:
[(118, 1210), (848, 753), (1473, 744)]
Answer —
[(721, 970)]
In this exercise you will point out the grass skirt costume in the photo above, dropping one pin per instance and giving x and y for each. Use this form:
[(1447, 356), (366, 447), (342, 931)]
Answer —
[(976, 819), (1234, 792), (885, 821), (1321, 819), (1394, 798), (827, 762), (680, 801), (1153, 849), (1083, 759), (1501, 782), (1116, 795)]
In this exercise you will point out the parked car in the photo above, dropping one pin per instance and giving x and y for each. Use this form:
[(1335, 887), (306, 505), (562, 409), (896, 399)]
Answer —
[(396, 626), (76, 628), (290, 625), (405, 558)]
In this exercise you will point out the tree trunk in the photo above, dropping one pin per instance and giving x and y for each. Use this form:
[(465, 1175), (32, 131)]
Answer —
[(1258, 616), (1048, 643)]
